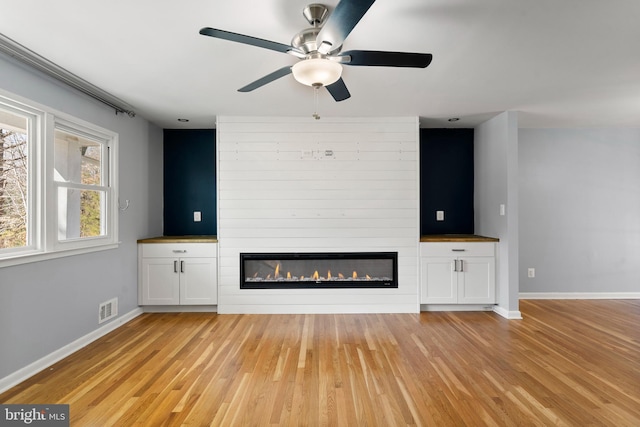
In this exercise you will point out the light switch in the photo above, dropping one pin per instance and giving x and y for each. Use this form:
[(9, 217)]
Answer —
[(503, 210), (197, 216), (439, 215)]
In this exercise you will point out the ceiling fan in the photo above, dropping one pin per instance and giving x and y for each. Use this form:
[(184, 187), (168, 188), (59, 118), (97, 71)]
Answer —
[(319, 49)]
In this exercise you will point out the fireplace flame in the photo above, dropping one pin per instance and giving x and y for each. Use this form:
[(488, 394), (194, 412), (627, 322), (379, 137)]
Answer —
[(288, 274)]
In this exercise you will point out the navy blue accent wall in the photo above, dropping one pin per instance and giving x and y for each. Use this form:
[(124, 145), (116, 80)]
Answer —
[(446, 181), (189, 181)]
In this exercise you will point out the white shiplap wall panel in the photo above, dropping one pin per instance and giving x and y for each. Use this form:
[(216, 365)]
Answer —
[(320, 174), (252, 142), (275, 217), (332, 185), (312, 198), (325, 184), (282, 221), (312, 165), (338, 234), (292, 205)]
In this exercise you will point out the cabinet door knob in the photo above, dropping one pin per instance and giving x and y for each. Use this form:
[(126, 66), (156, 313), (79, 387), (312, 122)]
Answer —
[(175, 266), (458, 250), (179, 251), (181, 266)]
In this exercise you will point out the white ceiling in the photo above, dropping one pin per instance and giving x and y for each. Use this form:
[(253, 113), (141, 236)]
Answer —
[(560, 63)]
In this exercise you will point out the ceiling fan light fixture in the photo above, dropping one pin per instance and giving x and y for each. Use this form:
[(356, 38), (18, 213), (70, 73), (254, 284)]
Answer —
[(317, 72)]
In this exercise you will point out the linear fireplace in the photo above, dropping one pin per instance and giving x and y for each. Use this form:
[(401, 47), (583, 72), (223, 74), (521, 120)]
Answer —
[(318, 270)]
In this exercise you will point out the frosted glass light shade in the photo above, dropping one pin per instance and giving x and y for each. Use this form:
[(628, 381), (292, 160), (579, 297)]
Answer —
[(317, 71)]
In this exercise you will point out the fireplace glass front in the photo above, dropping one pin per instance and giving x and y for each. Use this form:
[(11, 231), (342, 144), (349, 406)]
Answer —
[(318, 270)]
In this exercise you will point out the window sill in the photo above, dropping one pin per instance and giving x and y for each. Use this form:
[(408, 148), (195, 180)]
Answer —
[(43, 256)]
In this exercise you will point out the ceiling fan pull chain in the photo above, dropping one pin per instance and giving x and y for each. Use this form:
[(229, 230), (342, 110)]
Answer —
[(316, 89)]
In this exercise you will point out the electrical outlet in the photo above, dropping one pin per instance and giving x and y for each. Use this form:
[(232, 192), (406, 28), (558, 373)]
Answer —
[(197, 216), (531, 273), (439, 215)]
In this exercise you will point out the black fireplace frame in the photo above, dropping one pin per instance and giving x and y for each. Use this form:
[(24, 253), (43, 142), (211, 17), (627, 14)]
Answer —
[(319, 284)]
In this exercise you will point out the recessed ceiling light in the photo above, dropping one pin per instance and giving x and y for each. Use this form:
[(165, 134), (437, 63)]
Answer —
[(453, 119), (183, 120)]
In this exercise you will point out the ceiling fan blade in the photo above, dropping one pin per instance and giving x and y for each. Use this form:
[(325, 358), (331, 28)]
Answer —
[(266, 79), (253, 41), (340, 23), (339, 90), (374, 58)]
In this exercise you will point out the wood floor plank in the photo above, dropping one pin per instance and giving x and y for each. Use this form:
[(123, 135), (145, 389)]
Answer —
[(568, 362)]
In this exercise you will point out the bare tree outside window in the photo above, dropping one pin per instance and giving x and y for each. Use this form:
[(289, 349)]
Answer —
[(13, 188)]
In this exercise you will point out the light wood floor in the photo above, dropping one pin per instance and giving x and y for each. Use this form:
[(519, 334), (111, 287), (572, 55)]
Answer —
[(573, 363)]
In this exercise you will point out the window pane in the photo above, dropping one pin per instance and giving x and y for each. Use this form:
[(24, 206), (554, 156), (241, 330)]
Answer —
[(80, 213), (13, 180), (77, 159)]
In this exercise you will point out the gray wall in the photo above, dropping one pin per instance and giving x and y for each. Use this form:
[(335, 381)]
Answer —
[(495, 184), (580, 210), (49, 304)]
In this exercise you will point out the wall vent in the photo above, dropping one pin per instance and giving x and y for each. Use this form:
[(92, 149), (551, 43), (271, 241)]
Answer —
[(108, 310)]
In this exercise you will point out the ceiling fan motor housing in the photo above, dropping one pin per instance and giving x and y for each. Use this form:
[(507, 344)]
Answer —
[(305, 40), (316, 14)]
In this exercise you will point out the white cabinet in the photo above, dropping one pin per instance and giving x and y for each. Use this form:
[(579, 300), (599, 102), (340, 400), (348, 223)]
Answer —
[(457, 273), (177, 274)]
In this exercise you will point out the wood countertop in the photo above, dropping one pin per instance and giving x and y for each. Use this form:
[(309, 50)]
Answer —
[(424, 238), (457, 238), (180, 239)]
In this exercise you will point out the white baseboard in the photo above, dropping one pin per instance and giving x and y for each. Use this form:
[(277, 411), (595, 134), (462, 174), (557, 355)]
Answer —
[(28, 371), (579, 295), (456, 307), (511, 315), (507, 314), (180, 309), (316, 309)]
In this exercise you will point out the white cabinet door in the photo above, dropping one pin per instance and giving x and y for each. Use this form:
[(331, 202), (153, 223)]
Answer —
[(177, 274), (160, 281), (457, 273), (439, 281), (198, 281), (476, 280)]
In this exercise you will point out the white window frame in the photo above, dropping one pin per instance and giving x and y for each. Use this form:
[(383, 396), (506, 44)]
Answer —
[(108, 173), (43, 242), (35, 175)]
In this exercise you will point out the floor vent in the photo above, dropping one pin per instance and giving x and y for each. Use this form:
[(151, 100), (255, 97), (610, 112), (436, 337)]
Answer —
[(108, 310)]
